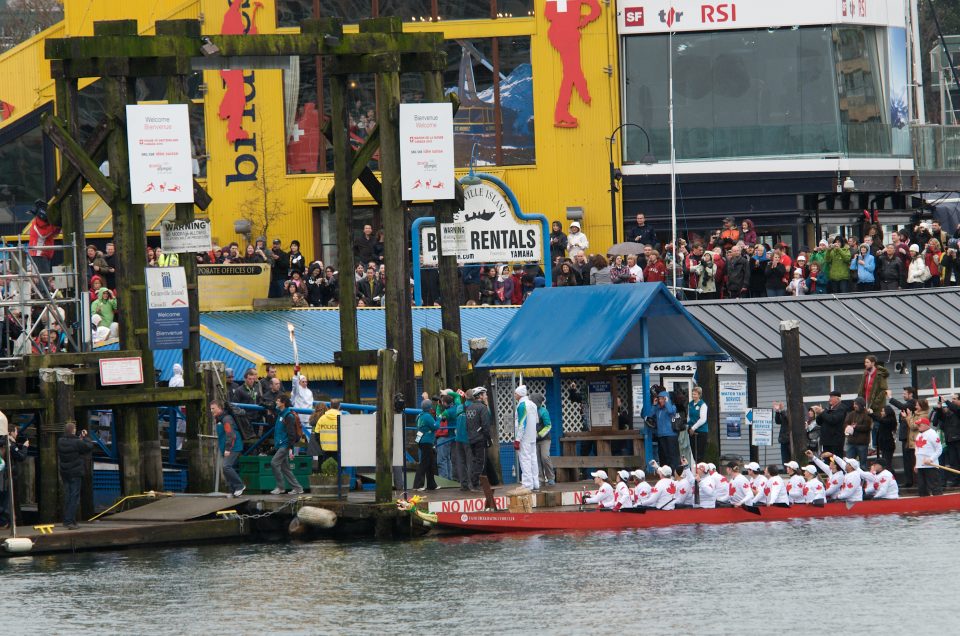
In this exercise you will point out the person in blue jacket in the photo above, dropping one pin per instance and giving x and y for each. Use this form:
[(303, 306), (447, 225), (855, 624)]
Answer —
[(230, 443), (663, 411), (866, 265), (426, 429)]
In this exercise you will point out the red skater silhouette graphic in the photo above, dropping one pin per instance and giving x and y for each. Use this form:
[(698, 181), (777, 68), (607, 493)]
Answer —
[(566, 20), (234, 99)]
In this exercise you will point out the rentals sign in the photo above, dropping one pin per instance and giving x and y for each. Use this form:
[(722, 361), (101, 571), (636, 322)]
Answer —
[(487, 230)]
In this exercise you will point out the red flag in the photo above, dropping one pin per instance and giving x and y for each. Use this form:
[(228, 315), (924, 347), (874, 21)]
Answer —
[(933, 382)]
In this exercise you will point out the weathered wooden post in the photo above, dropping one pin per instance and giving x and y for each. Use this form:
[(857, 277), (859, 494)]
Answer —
[(790, 345), (443, 212), (386, 389), (204, 466), (481, 377), (396, 293), (66, 412), (431, 350), (185, 213), (453, 359), (707, 377), (49, 428)]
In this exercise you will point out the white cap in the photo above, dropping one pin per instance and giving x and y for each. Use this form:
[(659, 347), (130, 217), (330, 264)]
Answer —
[(602, 474), (823, 242), (915, 248), (575, 224), (711, 467), (810, 468), (522, 392), (478, 390), (624, 474), (702, 466), (665, 471), (754, 466), (639, 474), (852, 462), (792, 464)]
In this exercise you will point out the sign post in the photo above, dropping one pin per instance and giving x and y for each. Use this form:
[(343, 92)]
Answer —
[(168, 309)]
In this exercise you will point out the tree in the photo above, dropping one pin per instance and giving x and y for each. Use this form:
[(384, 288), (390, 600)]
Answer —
[(264, 205), (20, 20)]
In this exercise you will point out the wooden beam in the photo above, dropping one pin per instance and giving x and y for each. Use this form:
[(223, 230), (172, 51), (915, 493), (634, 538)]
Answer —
[(342, 204), (152, 396), (792, 380), (35, 363), (110, 65), (69, 175), (365, 357), (201, 198), (47, 436), (55, 129), (386, 388)]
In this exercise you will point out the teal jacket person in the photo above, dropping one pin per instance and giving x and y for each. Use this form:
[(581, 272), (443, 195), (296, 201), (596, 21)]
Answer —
[(427, 427), (461, 435), (281, 434)]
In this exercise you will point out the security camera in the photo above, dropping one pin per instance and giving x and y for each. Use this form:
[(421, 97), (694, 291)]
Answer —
[(901, 367)]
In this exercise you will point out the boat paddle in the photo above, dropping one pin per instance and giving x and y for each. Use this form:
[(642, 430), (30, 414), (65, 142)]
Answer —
[(754, 510), (947, 468)]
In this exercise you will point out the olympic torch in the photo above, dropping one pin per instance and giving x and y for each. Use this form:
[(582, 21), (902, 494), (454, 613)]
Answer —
[(293, 342)]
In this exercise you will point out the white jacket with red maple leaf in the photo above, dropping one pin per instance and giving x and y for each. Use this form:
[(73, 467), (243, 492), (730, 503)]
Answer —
[(813, 490), (739, 490), (662, 494), (852, 487), (757, 486), (603, 497), (881, 485), (641, 494), (795, 488), (775, 491), (622, 496), (928, 445), (708, 492), (685, 486), (722, 487)]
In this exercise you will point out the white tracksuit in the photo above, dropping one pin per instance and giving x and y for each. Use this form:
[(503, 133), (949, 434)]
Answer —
[(708, 491), (662, 494), (685, 486), (814, 491), (722, 488), (739, 490), (622, 496), (603, 497), (795, 488), (882, 485), (526, 433), (758, 496), (641, 494), (775, 491), (834, 479)]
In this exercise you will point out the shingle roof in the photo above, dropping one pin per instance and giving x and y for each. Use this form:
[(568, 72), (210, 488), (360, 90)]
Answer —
[(913, 323), (318, 330)]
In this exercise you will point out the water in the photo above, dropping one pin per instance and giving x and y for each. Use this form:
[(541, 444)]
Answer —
[(843, 575)]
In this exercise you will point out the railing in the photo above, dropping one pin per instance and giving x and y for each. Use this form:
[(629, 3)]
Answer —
[(936, 147)]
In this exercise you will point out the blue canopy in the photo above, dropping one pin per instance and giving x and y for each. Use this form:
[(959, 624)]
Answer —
[(600, 326)]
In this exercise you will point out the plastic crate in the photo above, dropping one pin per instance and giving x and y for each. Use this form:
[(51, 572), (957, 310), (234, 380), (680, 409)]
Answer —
[(257, 473), (266, 483), (508, 463)]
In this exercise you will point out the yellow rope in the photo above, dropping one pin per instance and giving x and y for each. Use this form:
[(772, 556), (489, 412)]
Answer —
[(152, 494)]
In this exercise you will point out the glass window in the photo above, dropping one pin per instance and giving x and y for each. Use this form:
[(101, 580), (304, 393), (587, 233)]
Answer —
[(461, 10), (198, 139), (406, 10), (350, 11), (926, 377), (291, 12), (847, 383), (515, 8), (502, 128), (754, 93), (25, 168), (815, 385)]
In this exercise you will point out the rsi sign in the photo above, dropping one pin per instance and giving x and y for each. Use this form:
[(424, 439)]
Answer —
[(709, 14)]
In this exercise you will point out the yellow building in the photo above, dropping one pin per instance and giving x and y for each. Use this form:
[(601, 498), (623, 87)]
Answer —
[(275, 172)]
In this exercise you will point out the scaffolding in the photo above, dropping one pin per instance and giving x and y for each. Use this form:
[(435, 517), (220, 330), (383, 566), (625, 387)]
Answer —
[(41, 311)]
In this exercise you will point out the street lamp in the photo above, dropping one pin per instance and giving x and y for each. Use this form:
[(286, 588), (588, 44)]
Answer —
[(615, 174)]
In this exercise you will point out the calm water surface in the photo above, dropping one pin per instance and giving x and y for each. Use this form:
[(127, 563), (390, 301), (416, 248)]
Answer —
[(855, 575)]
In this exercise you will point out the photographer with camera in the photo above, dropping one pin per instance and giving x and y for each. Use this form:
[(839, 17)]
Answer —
[(660, 416), (71, 449)]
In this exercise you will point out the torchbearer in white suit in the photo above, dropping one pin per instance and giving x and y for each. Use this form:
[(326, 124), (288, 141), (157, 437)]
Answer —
[(525, 440)]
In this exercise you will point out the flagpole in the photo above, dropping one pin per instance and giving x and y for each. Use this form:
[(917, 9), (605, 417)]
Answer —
[(673, 169)]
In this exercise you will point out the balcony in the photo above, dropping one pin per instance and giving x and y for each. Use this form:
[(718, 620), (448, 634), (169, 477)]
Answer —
[(936, 148)]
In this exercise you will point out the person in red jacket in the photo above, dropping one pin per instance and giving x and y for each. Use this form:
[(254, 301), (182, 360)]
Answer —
[(516, 295)]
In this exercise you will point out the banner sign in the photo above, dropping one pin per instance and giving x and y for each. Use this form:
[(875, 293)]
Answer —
[(601, 404), (733, 396), (231, 286), (761, 429), (358, 440), (426, 152), (733, 426), (663, 16), (120, 371), (168, 310), (487, 230), (161, 161), (177, 238)]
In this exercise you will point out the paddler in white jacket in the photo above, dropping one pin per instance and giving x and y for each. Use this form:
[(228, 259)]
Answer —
[(813, 490), (663, 493), (707, 486), (775, 490), (881, 483), (603, 497), (834, 475), (851, 490), (641, 489), (795, 482), (622, 494)]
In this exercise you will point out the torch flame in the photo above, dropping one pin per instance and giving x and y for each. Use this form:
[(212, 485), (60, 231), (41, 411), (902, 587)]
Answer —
[(290, 329)]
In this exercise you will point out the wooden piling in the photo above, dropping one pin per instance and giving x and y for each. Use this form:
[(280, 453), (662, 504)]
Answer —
[(453, 359), (47, 504), (343, 206), (790, 346), (707, 378), (431, 350), (396, 297), (386, 389), (205, 466)]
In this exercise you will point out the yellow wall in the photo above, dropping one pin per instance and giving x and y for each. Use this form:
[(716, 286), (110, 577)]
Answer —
[(571, 168)]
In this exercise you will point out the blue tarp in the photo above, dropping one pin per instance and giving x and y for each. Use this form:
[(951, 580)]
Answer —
[(600, 325)]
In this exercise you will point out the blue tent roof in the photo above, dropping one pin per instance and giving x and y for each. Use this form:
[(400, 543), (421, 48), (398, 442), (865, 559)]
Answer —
[(600, 325), (318, 330)]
